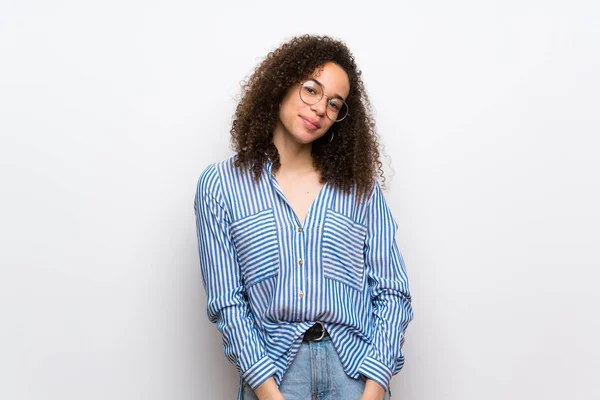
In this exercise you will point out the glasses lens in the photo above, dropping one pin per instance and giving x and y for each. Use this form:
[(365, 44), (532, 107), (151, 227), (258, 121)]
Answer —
[(337, 109), (311, 92)]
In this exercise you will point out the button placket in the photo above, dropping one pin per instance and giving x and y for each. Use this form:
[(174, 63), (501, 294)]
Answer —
[(299, 241)]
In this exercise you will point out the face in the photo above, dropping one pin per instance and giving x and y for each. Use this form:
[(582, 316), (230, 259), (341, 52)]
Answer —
[(305, 123)]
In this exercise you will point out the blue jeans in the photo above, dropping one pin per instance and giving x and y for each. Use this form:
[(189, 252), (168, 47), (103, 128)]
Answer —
[(317, 374)]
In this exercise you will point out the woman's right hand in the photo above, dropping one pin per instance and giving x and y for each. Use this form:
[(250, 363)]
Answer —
[(268, 390)]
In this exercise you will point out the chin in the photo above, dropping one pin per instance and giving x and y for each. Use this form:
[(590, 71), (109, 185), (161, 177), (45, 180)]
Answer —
[(306, 139)]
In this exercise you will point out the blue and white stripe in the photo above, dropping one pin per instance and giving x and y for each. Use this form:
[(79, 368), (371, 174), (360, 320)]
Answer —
[(268, 278)]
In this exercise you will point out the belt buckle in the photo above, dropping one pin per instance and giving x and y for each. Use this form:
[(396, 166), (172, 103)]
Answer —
[(322, 332)]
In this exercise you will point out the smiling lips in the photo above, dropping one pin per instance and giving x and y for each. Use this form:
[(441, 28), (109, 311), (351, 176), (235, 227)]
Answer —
[(311, 124)]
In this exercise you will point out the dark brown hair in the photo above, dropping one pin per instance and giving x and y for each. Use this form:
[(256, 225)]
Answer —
[(352, 157)]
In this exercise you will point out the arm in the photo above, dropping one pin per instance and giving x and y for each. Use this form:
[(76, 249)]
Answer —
[(372, 391), (388, 285), (226, 295)]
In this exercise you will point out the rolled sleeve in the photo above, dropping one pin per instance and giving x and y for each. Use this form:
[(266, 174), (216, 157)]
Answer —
[(390, 295), (227, 305)]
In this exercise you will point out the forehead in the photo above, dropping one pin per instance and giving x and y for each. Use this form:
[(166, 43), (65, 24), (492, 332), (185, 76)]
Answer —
[(333, 78)]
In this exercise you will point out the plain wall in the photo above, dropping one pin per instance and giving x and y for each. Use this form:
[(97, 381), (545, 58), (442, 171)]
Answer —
[(490, 116)]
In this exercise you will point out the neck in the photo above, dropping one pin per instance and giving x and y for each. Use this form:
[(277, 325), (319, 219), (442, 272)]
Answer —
[(293, 156)]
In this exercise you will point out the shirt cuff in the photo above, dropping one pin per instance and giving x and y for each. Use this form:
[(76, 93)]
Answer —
[(376, 371), (259, 372)]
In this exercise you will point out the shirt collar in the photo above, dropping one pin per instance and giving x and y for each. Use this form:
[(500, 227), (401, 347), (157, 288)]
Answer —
[(269, 167)]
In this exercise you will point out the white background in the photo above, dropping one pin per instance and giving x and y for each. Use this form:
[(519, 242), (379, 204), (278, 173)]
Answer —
[(490, 115)]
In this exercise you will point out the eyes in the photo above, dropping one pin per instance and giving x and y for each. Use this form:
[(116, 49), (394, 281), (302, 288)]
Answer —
[(334, 105), (309, 90), (312, 93)]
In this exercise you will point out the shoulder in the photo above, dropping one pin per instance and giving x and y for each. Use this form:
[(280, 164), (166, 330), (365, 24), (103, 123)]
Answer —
[(209, 182), (369, 196), (375, 198)]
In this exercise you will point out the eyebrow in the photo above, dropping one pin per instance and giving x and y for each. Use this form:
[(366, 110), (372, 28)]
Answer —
[(323, 86)]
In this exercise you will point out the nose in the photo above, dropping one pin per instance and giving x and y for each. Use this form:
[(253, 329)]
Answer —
[(320, 107)]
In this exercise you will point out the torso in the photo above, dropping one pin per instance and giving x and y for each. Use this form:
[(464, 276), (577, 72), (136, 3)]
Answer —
[(300, 191)]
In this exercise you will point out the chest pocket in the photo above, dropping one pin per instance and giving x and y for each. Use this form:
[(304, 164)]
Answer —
[(256, 246), (343, 246)]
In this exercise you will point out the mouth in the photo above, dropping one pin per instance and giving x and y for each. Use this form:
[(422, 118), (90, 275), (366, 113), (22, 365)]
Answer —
[(311, 124)]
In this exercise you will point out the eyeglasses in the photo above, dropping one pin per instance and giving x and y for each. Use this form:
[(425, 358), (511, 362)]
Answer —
[(311, 92)]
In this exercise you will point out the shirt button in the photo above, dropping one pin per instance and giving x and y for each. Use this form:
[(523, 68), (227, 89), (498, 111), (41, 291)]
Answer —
[(300, 262), (301, 294), (299, 229)]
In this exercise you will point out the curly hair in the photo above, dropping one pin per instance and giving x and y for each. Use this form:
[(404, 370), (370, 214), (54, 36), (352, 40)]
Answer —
[(351, 158)]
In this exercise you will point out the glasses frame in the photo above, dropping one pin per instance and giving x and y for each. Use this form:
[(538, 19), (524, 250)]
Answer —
[(321, 98)]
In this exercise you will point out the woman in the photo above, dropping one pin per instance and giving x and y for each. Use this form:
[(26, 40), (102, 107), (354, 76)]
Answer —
[(297, 246)]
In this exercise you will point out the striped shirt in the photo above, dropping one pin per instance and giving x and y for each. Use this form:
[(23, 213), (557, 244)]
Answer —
[(269, 278)]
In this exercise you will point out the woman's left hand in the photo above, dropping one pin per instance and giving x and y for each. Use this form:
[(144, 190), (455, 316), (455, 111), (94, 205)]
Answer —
[(372, 391)]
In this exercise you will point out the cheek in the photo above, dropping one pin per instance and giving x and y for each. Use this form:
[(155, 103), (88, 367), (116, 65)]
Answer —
[(287, 108), (327, 123), (284, 112), (290, 101)]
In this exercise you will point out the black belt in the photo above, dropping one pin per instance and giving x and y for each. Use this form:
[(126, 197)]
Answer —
[(315, 333)]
